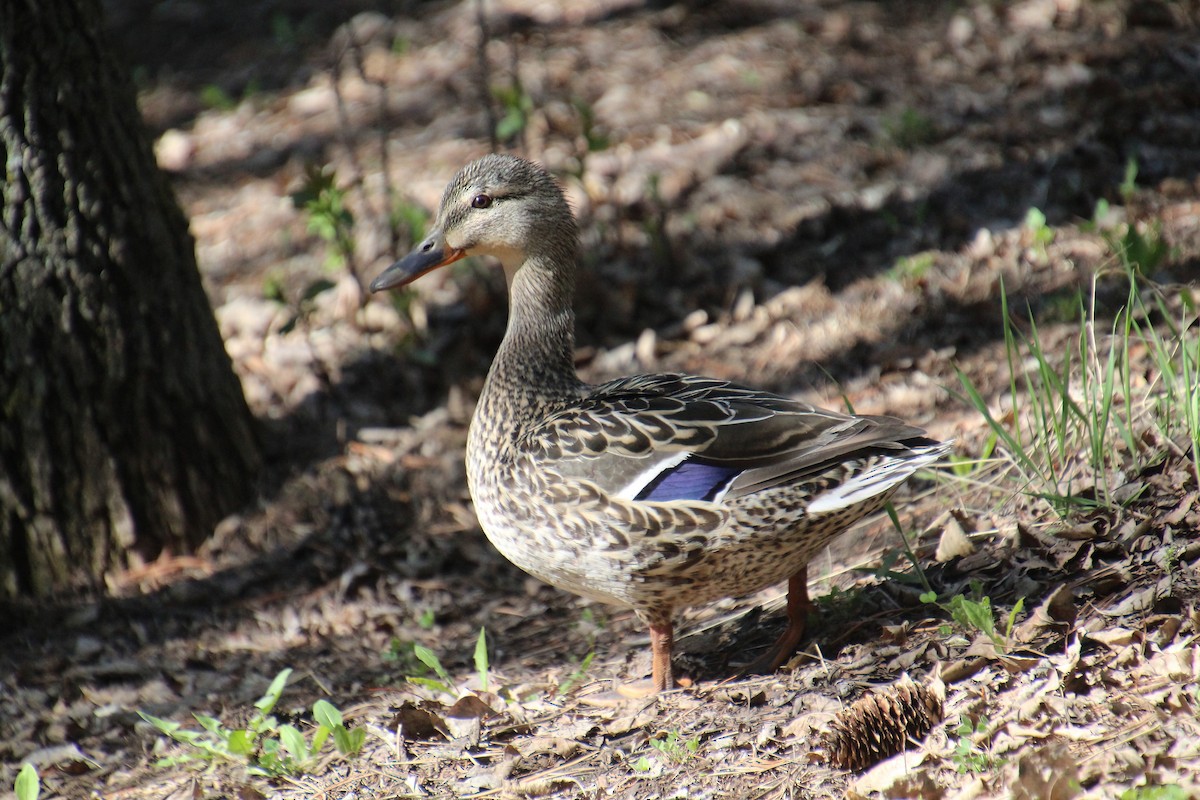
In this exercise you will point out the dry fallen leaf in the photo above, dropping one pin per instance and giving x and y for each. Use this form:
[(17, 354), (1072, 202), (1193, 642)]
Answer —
[(1114, 638), (1049, 772), (915, 786), (1141, 600), (1055, 614), (885, 774), (469, 707), (563, 748), (247, 792), (415, 721), (645, 715), (464, 719), (953, 543), (961, 669)]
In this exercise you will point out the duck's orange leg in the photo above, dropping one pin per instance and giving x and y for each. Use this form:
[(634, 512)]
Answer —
[(662, 641), (662, 638), (798, 606)]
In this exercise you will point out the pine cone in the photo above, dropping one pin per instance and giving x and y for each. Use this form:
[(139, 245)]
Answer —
[(882, 723)]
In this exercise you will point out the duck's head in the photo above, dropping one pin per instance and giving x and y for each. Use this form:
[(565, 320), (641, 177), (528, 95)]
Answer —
[(500, 206)]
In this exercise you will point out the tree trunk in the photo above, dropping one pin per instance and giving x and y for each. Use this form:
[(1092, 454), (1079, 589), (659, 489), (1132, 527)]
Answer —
[(123, 430)]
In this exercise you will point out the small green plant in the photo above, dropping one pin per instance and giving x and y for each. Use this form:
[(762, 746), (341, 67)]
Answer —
[(289, 35), (1170, 558), (589, 625), (751, 78), (443, 683), (328, 215), (846, 607), (675, 748), (578, 675), (28, 785), (975, 615), (654, 225), (593, 139), (1061, 307), (1174, 398), (885, 571), (1077, 426), (215, 97), (1069, 415), (1040, 233), (481, 659), (962, 466), (1139, 252), (267, 746), (968, 756), (588, 617), (272, 287), (346, 741), (427, 619), (517, 107), (910, 129), (965, 466), (672, 749), (1102, 210), (1100, 213), (409, 221), (218, 99), (283, 31), (400, 654), (1129, 181), (911, 269)]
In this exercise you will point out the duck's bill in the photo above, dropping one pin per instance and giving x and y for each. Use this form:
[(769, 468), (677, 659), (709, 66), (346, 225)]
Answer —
[(428, 256)]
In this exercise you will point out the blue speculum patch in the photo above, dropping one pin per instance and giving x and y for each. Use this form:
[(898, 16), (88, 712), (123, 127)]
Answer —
[(691, 480)]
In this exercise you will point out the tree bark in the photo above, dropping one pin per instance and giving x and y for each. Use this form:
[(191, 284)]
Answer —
[(123, 430)]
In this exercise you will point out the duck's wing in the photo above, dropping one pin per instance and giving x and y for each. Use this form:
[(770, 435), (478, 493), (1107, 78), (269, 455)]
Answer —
[(666, 437)]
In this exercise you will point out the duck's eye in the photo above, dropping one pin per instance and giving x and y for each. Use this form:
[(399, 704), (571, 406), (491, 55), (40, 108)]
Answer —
[(481, 201)]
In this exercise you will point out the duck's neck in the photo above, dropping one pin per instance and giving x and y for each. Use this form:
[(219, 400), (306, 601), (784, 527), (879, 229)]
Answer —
[(536, 360)]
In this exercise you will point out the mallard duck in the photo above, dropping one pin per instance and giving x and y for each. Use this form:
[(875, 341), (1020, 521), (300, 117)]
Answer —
[(653, 492)]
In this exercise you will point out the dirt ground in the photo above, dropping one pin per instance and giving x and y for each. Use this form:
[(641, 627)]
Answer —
[(825, 199)]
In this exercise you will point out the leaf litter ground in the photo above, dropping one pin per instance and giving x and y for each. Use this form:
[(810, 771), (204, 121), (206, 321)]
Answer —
[(821, 200)]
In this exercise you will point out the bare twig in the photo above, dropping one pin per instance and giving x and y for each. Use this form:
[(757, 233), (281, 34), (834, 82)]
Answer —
[(356, 178), (485, 92)]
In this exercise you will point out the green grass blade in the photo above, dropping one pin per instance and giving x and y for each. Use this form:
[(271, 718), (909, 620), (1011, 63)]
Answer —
[(267, 702), (481, 658), (327, 714), (430, 659), (28, 785)]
